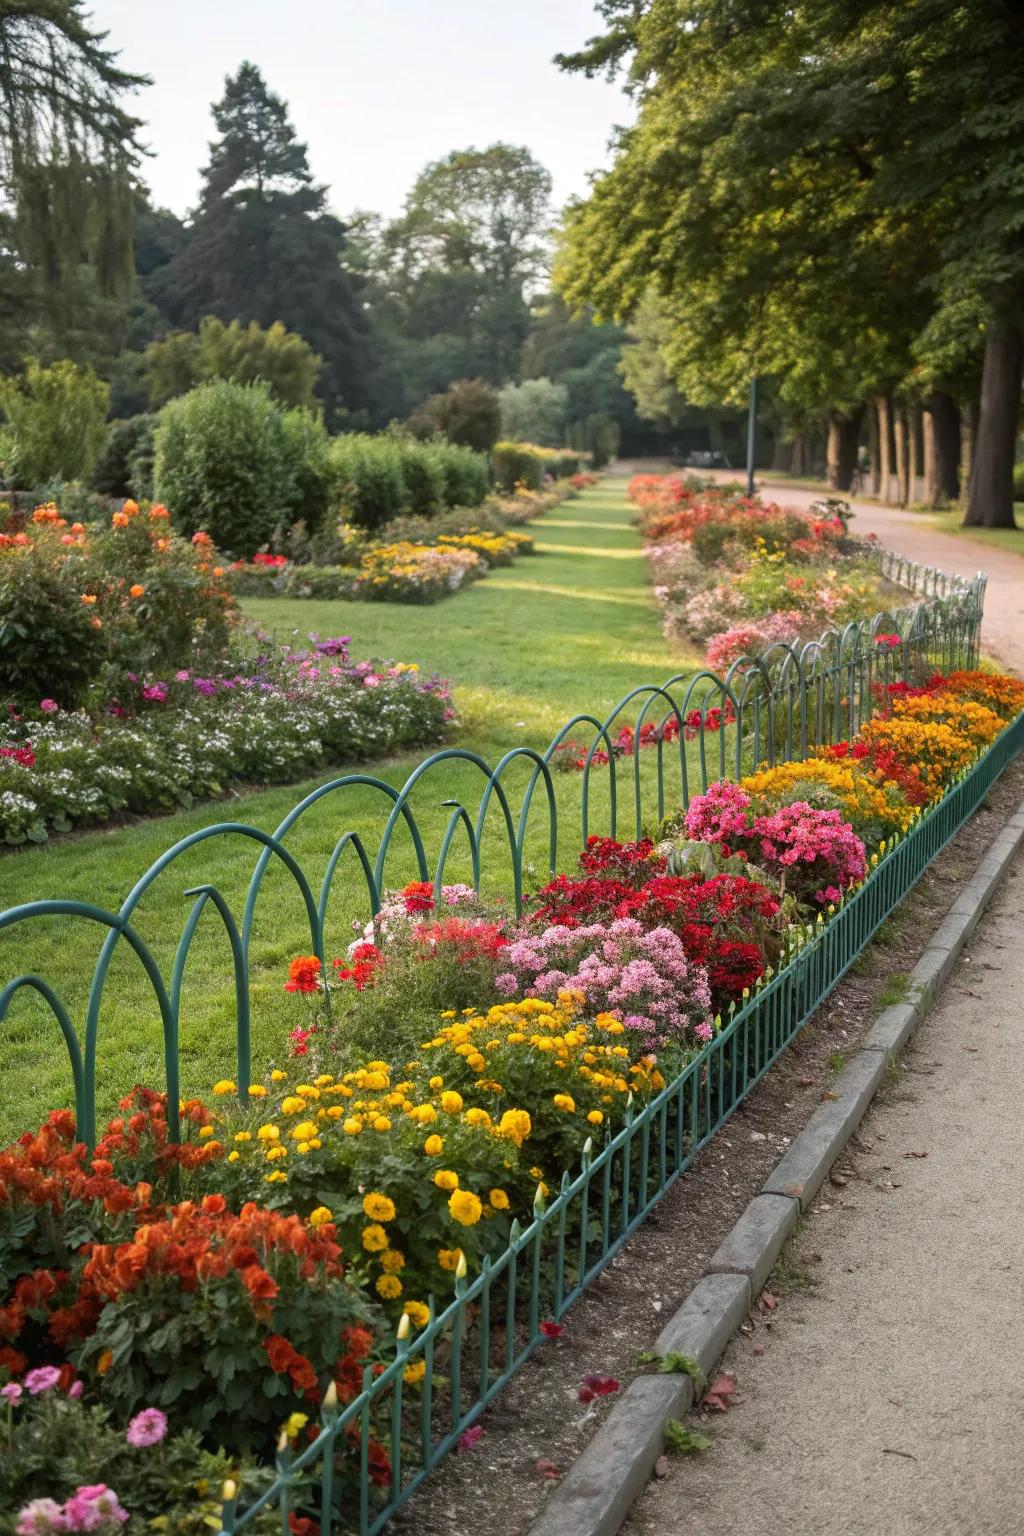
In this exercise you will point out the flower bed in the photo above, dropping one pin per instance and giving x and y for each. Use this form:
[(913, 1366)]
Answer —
[(169, 739), (737, 576), (390, 1157)]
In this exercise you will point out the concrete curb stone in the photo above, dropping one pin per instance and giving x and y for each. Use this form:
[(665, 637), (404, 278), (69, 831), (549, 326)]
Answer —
[(596, 1494)]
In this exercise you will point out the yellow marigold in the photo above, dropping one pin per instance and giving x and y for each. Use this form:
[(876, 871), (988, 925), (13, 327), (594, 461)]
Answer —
[(268, 1133), (335, 1112), (275, 1152), (376, 1081), (243, 1136), (378, 1207), (293, 1106), (477, 1117), (353, 1125), (436, 1083), (610, 1025), (516, 1125), (499, 1199), (451, 1102), (595, 1117), (321, 1216), (388, 1286), (465, 1207), (433, 1146), (381, 1123), (277, 1076), (277, 1177), (374, 1238), (304, 1131), (294, 1424), (225, 1086), (233, 1157), (564, 1101), (423, 1114), (418, 1313), (392, 1261), (444, 1178), (414, 1374), (205, 1132), (257, 1091), (307, 1091)]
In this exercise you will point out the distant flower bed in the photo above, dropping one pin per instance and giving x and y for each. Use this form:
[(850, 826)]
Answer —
[(168, 740), (736, 575)]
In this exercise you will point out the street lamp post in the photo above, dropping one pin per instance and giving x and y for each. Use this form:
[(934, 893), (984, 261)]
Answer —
[(751, 436)]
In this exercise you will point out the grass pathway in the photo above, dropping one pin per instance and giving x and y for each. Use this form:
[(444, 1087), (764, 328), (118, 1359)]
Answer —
[(574, 627)]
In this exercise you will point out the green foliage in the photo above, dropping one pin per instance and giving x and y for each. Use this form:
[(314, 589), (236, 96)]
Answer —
[(527, 464), (684, 1442), (226, 463), (57, 416), (468, 413), (48, 646), (376, 479), (534, 411), (124, 465), (243, 353)]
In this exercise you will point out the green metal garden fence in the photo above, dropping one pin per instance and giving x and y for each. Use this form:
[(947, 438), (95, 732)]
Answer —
[(770, 708)]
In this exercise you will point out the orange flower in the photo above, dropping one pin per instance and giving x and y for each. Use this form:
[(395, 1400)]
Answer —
[(136, 590), (159, 511), (88, 597), (130, 508), (104, 1362), (96, 623), (120, 520), (303, 974)]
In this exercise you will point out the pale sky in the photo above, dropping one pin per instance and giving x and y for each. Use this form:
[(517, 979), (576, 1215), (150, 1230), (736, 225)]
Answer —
[(376, 88)]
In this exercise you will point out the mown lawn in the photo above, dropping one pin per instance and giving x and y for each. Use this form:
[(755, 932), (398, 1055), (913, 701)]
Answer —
[(572, 628)]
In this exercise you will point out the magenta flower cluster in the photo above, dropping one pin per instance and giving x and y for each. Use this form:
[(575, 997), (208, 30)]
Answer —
[(643, 978), (93, 1507), (816, 851), (719, 815)]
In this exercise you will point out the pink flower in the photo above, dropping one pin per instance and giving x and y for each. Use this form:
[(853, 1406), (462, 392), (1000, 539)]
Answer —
[(49, 706), (371, 681), (75, 1390), (12, 1393), (147, 1428), (94, 1508), (39, 1518), (43, 1379), (470, 1437)]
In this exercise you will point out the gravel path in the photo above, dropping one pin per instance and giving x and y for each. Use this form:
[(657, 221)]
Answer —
[(887, 1398)]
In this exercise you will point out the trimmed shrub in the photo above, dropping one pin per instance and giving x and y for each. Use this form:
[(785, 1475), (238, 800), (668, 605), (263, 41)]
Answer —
[(468, 413), (121, 469), (226, 464), (376, 479)]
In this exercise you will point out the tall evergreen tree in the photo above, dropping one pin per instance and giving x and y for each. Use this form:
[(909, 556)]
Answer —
[(263, 246)]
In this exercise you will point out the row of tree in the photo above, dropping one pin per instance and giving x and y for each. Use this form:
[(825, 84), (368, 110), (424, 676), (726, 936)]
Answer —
[(366, 318), (829, 197)]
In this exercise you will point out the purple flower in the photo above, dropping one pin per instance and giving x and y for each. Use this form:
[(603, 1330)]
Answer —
[(12, 1393), (43, 1379), (40, 1517), (147, 1428)]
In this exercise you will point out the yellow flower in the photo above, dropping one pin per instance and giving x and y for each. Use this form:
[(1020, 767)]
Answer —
[(433, 1146), (565, 1101), (444, 1178), (375, 1081), (423, 1114), (277, 1076), (335, 1112), (436, 1083), (381, 1123), (205, 1131), (375, 1239), (257, 1091), (305, 1091), (448, 1258), (325, 1077), (233, 1157), (418, 1313), (413, 1374), (304, 1131), (275, 1152), (516, 1125), (392, 1261), (268, 1133), (293, 1106), (595, 1117), (353, 1125), (243, 1135), (465, 1207), (309, 1146), (477, 1117), (294, 1424), (378, 1207), (451, 1102), (499, 1199), (388, 1286), (225, 1086), (321, 1216), (277, 1177)]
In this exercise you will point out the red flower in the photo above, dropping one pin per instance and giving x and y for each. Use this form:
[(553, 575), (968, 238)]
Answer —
[(597, 1386), (260, 1285), (303, 974), (552, 1330)]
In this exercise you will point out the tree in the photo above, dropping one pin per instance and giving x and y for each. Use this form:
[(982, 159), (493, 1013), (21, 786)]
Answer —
[(534, 412), (263, 247), (243, 353), (826, 194), (67, 152), (468, 413), (57, 416)]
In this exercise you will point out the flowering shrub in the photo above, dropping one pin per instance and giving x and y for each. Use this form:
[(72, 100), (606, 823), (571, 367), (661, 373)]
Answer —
[(415, 572), (815, 853), (191, 733), (875, 807), (639, 976)]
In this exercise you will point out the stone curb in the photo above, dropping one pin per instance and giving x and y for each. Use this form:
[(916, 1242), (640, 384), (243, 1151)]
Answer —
[(596, 1494)]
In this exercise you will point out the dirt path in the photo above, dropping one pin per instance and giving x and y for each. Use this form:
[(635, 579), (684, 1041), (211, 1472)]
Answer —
[(887, 1398), (913, 536)]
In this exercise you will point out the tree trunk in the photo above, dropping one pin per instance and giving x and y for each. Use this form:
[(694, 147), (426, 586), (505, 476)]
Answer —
[(990, 495), (914, 454), (876, 470), (841, 451), (798, 470), (968, 428), (942, 432), (900, 434), (883, 406)]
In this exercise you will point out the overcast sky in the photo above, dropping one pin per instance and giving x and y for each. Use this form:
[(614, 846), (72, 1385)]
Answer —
[(376, 88)]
